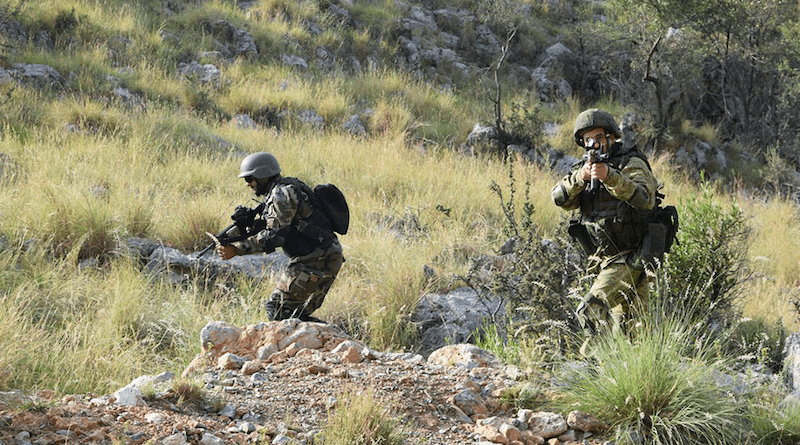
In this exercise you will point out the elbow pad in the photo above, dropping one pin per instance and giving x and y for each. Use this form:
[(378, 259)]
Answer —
[(270, 240), (559, 195), (268, 245)]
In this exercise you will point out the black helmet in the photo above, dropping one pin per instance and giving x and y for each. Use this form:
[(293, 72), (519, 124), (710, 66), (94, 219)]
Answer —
[(595, 118), (259, 165)]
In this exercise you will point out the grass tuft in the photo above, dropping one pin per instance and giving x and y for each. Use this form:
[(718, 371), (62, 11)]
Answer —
[(662, 387), (362, 420)]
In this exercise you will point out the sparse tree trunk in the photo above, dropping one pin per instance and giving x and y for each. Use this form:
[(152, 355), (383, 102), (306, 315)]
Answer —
[(650, 77), (497, 99)]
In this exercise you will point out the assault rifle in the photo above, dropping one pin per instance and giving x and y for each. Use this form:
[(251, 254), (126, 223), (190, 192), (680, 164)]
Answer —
[(244, 219), (594, 154)]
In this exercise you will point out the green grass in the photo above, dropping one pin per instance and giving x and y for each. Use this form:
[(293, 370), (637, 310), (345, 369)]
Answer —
[(773, 422), (661, 387), (361, 419)]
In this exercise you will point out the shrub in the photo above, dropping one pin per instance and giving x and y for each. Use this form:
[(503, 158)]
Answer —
[(756, 341), (524, 124), (660, 387), (536, 278), (707, 264)]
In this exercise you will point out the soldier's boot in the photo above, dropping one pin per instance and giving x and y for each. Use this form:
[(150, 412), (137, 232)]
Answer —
[(588, 328), (279, 307)]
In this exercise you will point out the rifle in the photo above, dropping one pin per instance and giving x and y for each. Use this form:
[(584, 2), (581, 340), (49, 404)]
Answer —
[(244, 219), (594, 154)]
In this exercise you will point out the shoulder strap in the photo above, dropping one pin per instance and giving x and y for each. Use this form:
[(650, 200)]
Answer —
[(308, 226), (638, 154)]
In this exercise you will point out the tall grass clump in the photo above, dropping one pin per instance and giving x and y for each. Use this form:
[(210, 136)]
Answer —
[(661, 387), (532, 355), (774, 422), (774, 256), (362, 420), (74, 331)]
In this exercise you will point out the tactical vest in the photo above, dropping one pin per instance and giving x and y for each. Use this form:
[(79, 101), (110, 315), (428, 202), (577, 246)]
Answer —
[(614, 225), (309, 228)]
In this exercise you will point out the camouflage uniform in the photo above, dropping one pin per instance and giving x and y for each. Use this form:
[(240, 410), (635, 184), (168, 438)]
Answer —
[(613, 220), (306, 237)]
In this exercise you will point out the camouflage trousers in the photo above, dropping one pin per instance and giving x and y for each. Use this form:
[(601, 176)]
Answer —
[(302, 287), (619, 293)]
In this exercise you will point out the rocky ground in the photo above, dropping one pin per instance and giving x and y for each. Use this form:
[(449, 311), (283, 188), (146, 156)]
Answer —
[(288, 394)]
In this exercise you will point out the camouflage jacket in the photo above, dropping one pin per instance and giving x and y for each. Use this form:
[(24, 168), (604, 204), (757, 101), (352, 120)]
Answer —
[(613, 216), (291, 222)]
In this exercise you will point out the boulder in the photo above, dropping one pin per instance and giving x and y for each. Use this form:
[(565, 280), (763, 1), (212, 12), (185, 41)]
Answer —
[(179, 267), (454, 317)]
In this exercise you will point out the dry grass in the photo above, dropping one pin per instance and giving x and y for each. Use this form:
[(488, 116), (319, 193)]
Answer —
[(167, 170)]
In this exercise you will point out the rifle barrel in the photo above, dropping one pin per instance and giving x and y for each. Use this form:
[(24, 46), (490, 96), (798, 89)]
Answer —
[(203, 252), (219, 235)]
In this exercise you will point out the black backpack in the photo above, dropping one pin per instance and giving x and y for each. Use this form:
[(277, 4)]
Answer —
[(329, 200), (334, 205)]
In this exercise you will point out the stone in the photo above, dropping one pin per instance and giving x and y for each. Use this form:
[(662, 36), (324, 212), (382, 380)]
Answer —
[(547, 425), (464, 355), (583, 421)]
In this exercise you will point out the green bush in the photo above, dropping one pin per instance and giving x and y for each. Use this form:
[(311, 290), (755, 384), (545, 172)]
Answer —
[(537, 277), (708, 263), (756, 341)]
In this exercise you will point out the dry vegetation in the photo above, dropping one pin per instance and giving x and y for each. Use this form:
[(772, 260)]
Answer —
[(79, 172)]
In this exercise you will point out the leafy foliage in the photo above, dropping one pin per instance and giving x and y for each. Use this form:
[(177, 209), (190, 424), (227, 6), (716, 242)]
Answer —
[(757, 341), (711, 61), (535, 277), (708, 264)]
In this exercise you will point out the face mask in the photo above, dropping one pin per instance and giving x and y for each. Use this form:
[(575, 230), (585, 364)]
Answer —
[(263, 187)]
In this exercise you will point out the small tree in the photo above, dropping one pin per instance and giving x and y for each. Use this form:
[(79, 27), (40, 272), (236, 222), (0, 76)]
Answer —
[(709, 60), (522, 124), (707, 265)]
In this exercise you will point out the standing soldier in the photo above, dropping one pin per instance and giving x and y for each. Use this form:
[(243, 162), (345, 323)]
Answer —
[(614, 191), (301, 230)]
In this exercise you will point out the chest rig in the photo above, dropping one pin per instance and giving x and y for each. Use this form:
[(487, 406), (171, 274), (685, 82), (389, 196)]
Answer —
[(613, 225), (309, 228)]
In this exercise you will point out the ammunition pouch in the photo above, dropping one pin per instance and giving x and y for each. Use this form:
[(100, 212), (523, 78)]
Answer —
[(660, 234), (651, 250), (578, 232)]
